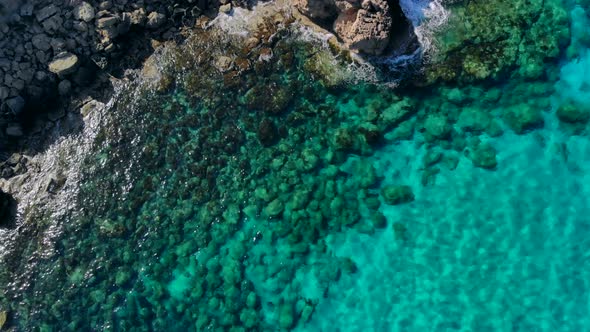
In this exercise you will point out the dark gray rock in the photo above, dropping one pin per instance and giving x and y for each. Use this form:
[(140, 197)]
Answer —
[(53, 24), (46, 12), (64, 87), (41, 42), (14, 130), (16, 104), (4, 92), (27, 9)]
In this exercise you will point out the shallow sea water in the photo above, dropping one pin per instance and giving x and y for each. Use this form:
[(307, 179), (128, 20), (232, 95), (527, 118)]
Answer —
[(480, 251), (176, 225)]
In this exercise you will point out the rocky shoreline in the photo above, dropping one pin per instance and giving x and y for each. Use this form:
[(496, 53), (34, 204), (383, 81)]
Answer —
[(58, 56), (51, 50)]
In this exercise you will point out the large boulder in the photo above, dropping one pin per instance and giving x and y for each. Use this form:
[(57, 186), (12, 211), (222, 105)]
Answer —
[(369, 26), (572, 113), (366, 27)]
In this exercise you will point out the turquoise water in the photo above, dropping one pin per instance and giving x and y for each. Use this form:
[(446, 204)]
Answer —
[(253, 200)]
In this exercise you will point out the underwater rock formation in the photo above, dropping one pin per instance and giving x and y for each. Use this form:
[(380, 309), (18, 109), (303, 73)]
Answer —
[(370, 26)]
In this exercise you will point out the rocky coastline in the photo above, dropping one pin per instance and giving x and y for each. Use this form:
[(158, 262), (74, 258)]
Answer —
[(53, 50), (58, 57)]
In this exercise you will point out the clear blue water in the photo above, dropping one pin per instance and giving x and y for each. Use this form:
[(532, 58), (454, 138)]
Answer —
[(255, 202)]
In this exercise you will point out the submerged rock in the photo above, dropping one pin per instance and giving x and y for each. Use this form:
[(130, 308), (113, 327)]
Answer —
[(274, 208), (523, 117), (484, 156), (572, 113), (267, 132), (397, 194)]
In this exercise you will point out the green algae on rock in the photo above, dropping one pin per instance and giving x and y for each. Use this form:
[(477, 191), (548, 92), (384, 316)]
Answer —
[(394, 195), (492, 39)]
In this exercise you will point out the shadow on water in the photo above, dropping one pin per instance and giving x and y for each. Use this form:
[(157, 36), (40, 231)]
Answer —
[(7, 211)]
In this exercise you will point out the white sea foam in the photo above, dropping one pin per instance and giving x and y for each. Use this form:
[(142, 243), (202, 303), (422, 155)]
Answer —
[(427, 17), (62, 160)]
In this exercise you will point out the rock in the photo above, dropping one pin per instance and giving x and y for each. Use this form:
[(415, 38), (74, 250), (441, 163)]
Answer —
[(317, 9), (248, 317), (267, 132), (64, 87), (436, 126), (378, 220), (63, 64), (105, 5), (27, 9), (286, 318), (16, 104), (80, 26), (396, 112), (4, 92), (46, 12), (223, 63), (3, 315), (84, 12), (484, 156), (474, 120), (363, 26), (251, 300), (343, 139), (274, 208), (106, 22), (53, 24), (90, 106), (226, 9), (138, 17), (41, 42), (572, 113), (14, 130), (397, 194), (523, 117), (55, 183), (155, 20), (363, 30)]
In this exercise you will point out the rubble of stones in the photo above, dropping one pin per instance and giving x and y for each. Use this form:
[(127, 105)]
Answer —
[(53, 49)]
